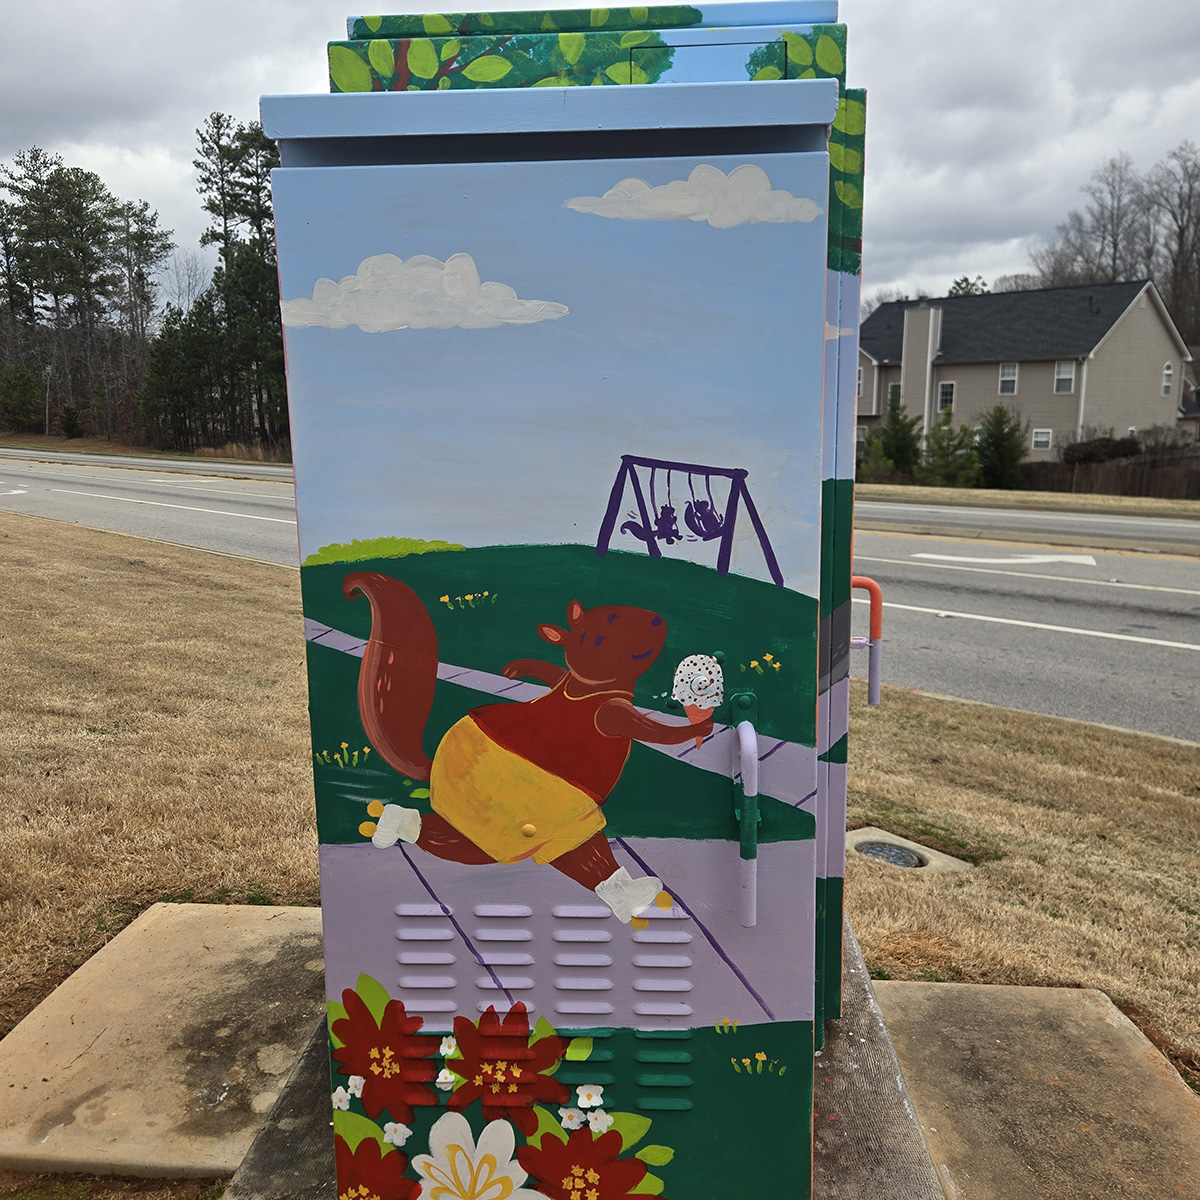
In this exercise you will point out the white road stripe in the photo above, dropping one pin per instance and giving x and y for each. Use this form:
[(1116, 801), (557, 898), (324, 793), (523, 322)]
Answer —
[(1139, 587), (1096, 633), (216, 512)]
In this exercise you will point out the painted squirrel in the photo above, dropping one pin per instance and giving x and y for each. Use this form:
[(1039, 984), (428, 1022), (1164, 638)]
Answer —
[(512, 781)]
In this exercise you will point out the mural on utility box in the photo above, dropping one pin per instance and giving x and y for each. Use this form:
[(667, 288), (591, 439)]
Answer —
[(539, 558)]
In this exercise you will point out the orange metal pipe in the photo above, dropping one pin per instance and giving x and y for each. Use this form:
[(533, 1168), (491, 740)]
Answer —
[(876, 594)]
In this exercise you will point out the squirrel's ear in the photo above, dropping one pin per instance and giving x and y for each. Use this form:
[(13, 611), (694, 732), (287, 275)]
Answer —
[(552, 633), (574, 612)]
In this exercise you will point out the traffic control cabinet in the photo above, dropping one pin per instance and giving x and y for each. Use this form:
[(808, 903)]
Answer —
[(570, 305)]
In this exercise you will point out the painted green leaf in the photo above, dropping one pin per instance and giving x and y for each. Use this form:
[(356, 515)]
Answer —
[(374, 995), (631, 1126), (355, 1128), (768, 73), (843, 159), (336, 1011), (542, 1028), (554, 81), (443, 83), (829, 57), (656, 1156), (348, 72), (651, 1185), (373, 23), (579, 1049), (625, 72), (423, 59), (420, 793), (798, 49), (572, 44), (634, 38), (435, 23), (450, 48), (599, 17), (485, 18), (487, 69), (382, 58), (545, 1124), (639, 14), (851, 118), (809, 74), (848, 194), (548, 25)]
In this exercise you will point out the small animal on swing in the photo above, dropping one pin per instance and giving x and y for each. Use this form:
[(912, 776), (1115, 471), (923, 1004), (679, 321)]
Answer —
[(513, 781)]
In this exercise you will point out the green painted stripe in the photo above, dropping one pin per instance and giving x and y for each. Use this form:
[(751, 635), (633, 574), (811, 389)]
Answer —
[(834, 905), (663, 1104), (585, 1077), (663, 1080), (663, 1056), (837, 752), (664, 1034)]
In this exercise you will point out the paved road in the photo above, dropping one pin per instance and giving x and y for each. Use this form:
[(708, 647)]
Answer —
[(1084, 527), (249, 517), (1114, 639), (174, 466)]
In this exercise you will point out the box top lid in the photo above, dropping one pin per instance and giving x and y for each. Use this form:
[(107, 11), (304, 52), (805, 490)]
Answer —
[(754, 12)]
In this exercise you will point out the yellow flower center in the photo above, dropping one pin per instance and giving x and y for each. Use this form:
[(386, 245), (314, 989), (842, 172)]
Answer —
[(467, 1179)]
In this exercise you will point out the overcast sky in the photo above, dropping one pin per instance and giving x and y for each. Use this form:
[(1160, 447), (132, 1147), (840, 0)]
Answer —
[(984, 118)]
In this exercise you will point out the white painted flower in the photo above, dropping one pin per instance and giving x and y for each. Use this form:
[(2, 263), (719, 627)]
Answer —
[(449, 1047), (590, 1096), (571, 1118), (599, 1121), (456, 1168), (446, 1079), (354, 1085), (341, 1099), (396, 1134)]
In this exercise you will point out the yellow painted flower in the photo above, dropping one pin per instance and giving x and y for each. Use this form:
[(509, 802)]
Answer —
[(444, 599), (768, 657), (754, 662), (761, 1056)]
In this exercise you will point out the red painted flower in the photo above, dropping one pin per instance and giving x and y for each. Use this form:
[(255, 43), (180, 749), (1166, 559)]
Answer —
[(499, 1066), (368, 1174), (582, 1168), (390, 1056)]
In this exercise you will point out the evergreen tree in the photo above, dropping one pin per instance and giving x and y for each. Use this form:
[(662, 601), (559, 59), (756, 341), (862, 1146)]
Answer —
[(999, 447), (949, 459), (900, 441), (20, 398)]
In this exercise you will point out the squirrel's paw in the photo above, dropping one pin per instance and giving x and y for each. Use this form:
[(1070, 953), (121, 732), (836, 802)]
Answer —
[(627, 896), (394, 823)]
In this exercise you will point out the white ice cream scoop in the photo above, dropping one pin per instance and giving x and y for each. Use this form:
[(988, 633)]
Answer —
[(699, 687)]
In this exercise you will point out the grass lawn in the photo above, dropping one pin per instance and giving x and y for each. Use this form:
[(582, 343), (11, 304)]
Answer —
[(95, 445), (1129, 506), (154, 746)]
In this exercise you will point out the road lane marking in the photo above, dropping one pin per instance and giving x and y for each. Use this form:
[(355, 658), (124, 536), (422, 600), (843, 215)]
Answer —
[(1015, 559), (187, 487), (1025, 514), (216, 512), (1096, 633), (16, 492), (1140, 587)]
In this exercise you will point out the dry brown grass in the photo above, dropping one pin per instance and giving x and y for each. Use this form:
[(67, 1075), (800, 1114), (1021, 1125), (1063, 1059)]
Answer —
[(233, 451), (1131, 506), (20, 1185), (1086, 844), (152, 741), (153, 744)]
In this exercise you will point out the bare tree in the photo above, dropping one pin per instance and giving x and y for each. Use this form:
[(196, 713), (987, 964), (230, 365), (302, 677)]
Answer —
[(881, 295), (1173, 187), (186, 275)]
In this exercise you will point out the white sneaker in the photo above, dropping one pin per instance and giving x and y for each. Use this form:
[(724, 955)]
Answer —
[(627, 896), (397, 824)]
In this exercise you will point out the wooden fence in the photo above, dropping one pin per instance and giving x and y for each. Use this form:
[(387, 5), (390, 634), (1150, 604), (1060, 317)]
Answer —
[(1175, 479)]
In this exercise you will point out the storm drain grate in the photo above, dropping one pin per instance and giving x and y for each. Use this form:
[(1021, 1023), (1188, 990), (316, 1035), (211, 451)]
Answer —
[(889, 852)]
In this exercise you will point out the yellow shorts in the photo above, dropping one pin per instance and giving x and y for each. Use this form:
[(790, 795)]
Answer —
[(507, 806)]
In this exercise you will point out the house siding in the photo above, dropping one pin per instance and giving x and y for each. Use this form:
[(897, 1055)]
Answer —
[(876, 379), (1125, 373)]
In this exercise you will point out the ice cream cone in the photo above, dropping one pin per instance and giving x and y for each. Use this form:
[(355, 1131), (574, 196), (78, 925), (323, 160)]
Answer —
[(696, 714)]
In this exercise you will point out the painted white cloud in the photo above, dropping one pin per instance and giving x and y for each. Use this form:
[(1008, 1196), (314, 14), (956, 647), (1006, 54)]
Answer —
[(743, 197), (389, 293)]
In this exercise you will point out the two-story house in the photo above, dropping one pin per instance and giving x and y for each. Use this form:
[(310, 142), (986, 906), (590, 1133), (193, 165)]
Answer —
[(1066, 359)]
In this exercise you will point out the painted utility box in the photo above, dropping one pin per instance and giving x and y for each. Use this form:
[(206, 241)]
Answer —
[(563, 374)]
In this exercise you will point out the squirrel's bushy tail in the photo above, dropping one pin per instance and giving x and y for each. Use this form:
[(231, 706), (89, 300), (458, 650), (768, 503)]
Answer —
[(399, 671)]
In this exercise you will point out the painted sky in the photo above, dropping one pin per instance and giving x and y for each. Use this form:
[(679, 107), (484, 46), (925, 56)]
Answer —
[(985, 118), (460, 420)]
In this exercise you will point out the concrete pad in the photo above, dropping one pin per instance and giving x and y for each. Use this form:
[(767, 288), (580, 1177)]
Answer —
[(164, 1052), (1042, 1093), (935, 862)]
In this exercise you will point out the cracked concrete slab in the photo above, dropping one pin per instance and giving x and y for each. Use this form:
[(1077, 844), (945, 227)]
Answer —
[(1042, 1093), (164, 1052)]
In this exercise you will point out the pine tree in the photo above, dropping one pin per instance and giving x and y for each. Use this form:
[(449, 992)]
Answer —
[(901, 442), (949, 459), (999, 447)]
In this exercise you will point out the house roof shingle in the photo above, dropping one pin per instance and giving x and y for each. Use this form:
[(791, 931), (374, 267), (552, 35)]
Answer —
[(1008, 326)]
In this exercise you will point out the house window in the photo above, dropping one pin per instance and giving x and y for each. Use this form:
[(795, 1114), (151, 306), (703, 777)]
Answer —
[(858, 393), (860, 433), (1133, 431), (946, 397), (1064, 378), (1168, 373), (893, 391), (1042, 439), (1008, 379)]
